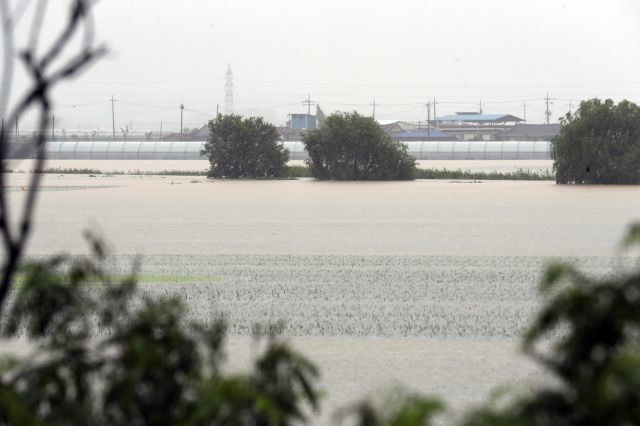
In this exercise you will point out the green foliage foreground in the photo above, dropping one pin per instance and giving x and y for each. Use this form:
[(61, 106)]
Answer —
[(155, 368)]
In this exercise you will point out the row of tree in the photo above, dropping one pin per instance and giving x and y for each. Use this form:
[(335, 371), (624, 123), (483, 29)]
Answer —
[(347, 146), (599, 144)]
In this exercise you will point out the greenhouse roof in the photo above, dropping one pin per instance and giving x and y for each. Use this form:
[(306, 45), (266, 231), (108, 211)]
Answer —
[(475, 118)]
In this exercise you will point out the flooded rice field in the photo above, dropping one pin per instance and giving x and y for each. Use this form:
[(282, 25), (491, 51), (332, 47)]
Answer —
[(426, 284), (439, 297)]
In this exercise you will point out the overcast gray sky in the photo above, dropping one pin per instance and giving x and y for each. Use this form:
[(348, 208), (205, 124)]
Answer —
[(346, 52)]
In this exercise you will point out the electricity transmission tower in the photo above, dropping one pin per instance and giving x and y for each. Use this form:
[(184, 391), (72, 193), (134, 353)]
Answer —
[(228, 100)]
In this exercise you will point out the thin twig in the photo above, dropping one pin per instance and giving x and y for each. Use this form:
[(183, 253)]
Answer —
[(36, 25), (43, 80)]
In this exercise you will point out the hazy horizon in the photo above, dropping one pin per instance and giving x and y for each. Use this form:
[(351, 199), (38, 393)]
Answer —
[(403, 53)]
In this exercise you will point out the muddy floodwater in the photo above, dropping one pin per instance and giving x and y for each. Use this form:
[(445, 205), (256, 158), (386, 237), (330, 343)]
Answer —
[(182, 215), (425, 283)]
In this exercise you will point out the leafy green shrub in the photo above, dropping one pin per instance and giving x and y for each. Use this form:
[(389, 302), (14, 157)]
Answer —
[(350, 146), (244, 148), (599, 144)]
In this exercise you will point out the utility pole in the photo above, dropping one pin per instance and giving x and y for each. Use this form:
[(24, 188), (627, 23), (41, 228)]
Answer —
[(435, 117), (547, 112), (308, 102), (524, 110), (17, 132), (478, 135), (428, 120), (161, 130), (374, 104), (53, 128), (181, 115), (217, 109), (570, 107), (113, 117)]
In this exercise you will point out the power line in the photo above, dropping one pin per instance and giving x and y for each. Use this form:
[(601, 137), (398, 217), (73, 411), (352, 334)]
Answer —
[(466, 86), (207, 114), (146, 105), (83, 104)]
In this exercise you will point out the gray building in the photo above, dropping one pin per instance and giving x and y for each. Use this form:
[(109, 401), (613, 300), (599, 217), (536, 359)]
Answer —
[(301, 121), (476, 126), (530, 132)]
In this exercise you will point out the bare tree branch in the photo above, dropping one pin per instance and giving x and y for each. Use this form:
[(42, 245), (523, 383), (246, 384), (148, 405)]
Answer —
[(8, 59), (38, 96), (19, 10), (8, 66), (36, 25)]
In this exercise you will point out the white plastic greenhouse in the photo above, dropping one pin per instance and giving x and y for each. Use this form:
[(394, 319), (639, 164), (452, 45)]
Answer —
[(119, 150)]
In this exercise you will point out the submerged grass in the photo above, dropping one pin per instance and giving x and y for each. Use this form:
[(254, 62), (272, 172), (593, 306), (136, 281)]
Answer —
[(520, 174), (81, 171), (294, 172), (298, 171), (74, 171)]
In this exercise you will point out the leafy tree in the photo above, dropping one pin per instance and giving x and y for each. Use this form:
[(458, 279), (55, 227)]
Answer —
[(244, 148), (599, 144), (350, 146)]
